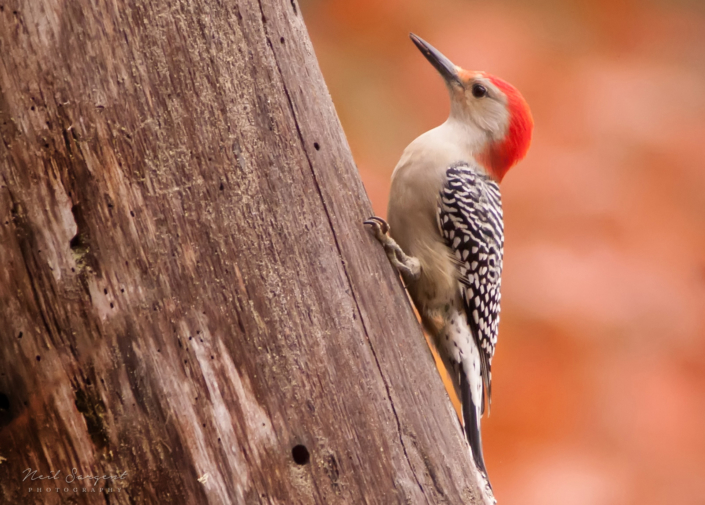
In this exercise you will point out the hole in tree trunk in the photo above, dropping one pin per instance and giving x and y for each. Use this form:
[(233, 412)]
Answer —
[(5, 415), (300, 454)]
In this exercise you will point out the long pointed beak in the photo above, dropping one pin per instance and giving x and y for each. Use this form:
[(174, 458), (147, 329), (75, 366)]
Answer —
[(444, 66)]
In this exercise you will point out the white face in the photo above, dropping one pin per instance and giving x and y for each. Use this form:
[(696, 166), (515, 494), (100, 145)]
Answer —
[(479, 103)]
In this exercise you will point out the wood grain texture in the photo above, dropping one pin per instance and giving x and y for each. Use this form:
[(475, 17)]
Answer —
[(186, 288)]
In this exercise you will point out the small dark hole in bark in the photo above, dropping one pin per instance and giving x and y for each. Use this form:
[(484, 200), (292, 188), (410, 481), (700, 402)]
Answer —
[(122, 290), (222, 187), (204, 425), (105, 291), (132, 214), (111, 305), (4, 402), (73, 269), (293, 6), (190, 337), (281, 40), (20, 335), (39, 358), (185, 361), (88, 382), (32, 107), (159, 350), (212, 357), (318, 147), (300, 454), (80, 242)]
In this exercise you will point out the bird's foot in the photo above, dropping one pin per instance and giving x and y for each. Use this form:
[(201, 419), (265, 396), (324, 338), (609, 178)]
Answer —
[(408, 266)]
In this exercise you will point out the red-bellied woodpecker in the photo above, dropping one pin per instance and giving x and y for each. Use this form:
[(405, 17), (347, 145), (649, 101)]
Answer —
[(446, 234)]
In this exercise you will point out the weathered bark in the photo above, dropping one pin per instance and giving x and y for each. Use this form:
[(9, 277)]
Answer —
[(186, 288)]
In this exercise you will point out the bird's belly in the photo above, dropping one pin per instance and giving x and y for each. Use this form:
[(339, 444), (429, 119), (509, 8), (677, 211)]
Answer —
[(436, 291)]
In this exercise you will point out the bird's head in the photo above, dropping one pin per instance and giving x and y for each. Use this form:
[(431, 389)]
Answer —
[(496, 116)]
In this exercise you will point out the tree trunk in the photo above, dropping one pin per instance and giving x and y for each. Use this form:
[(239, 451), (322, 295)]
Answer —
[(189, 302)]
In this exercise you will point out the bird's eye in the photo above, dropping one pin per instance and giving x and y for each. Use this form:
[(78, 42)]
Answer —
[(478, 90)]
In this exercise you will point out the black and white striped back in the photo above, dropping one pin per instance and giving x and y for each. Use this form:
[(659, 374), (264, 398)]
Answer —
[(470, 221)]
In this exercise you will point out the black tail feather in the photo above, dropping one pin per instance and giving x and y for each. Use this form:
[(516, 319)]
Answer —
[(472, 430)]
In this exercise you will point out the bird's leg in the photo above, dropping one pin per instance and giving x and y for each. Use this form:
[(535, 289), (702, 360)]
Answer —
[(409, 267)]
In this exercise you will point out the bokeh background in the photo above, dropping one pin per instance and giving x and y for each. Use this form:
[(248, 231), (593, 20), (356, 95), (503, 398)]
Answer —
[(599, 377)]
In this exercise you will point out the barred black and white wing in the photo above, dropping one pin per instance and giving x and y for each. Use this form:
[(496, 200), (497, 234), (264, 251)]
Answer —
[(470, 221)]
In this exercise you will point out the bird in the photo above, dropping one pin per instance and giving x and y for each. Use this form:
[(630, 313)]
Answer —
[(445, 231)]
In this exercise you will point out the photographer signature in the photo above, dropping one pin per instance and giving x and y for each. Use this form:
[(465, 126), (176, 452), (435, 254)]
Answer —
[(73, 476)]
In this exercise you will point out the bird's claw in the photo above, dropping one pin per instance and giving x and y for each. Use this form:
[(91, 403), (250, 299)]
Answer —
[(409, 267), (378, 222), (380, 229)]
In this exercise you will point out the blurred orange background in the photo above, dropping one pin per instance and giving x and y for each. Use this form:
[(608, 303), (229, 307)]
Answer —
[(599, 376)]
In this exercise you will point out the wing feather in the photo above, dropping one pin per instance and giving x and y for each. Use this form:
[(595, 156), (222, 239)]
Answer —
[(470, 221)]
